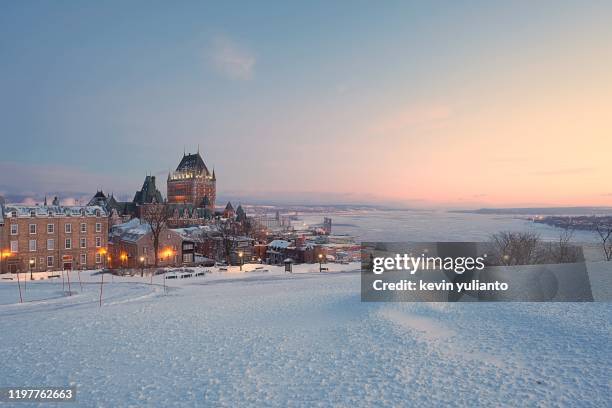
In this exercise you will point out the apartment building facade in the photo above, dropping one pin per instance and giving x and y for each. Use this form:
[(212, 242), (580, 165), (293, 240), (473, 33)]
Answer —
[(54, 237)]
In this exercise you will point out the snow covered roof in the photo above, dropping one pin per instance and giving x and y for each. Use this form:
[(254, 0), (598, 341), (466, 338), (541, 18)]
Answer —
[(192, 232), (21, 210), (130, 231), (279, 243)]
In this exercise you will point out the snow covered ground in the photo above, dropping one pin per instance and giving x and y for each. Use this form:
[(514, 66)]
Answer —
[(303, 339)]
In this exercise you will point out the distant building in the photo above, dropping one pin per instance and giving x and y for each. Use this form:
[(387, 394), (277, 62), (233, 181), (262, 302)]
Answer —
[(191, 183), (52, 237), (122, 211), (229, 212)]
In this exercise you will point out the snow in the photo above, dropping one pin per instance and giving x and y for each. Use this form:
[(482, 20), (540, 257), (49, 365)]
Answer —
[(269, 338)]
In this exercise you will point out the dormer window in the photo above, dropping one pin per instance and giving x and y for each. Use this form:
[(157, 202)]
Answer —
[(97, 213), (14, 214), (32, 214)]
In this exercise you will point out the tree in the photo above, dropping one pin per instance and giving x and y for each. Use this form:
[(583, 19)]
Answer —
[(605, 233), (226, 230), (156, 216), (515, 248)]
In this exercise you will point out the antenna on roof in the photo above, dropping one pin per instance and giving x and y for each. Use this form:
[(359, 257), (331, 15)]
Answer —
[(198, 148)]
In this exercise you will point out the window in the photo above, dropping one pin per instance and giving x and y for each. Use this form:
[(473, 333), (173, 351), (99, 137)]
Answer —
[(49, 262), (98, 227), (32, 214), (83, 227), (68, 243), (98, 258), (68, 228), (32, 245), (83, 243), (14, 229), (32, 228), (97, 213), (98, 242), (51, 244), (83, 259), (14, 214), (14, 246), (50, 228)]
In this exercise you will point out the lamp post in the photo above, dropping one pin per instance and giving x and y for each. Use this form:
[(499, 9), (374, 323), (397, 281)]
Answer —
[(240, 255), (142, 259), (31, 266), (320, 262)]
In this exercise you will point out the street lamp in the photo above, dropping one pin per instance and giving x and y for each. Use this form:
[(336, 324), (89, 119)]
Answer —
[(240, 254), (320, 262), (142, 259), (31, 266), (4, 255)]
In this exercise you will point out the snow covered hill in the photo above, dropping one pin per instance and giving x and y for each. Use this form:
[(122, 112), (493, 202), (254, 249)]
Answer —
[(304, 339)]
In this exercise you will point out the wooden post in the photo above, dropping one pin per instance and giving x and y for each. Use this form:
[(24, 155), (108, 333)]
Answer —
[(69, 289), (101, 284), (80, 284), (19, 284)]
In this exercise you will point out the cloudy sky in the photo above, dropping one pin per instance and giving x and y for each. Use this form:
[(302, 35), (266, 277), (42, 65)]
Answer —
[(414, 103)]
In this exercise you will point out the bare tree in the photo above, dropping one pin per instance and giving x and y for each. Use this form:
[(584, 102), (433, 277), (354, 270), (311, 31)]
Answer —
[(605, 233), (515, 248), (563, 251), (156, 216), (226, 230)]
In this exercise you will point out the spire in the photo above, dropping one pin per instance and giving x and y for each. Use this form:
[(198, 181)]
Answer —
[(213, 176), (198, 148), (45, 200)]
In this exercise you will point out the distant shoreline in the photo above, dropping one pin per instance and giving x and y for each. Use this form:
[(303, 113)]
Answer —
[(540, 211)]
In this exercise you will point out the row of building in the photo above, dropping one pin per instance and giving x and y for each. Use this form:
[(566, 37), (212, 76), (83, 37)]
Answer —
[(114, 234)]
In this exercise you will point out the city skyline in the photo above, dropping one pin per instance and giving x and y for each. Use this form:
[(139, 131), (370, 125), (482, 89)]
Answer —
[(444, 105)]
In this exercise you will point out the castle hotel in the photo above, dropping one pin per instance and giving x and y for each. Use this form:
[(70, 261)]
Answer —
[(192, 183)]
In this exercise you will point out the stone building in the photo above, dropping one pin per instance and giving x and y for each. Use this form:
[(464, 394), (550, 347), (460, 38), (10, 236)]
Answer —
[(191, 183), (52, 237)]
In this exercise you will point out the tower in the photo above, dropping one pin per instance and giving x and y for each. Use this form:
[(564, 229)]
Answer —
[(192, 183)]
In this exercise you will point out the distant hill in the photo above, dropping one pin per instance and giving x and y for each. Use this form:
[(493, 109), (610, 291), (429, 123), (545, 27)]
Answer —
[(541, 211)]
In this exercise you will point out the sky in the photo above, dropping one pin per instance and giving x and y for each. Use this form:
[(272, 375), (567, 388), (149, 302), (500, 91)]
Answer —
[(420, 104)]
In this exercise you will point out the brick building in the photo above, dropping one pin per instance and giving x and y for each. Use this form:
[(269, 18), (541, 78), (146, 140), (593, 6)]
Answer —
[(192, 183), (133, 240), (53, 237)]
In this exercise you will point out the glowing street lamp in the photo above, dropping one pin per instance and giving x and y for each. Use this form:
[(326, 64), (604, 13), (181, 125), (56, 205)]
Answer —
[(240, 254), (4, 255), (31, 266), (320, 262), (142, 260)]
